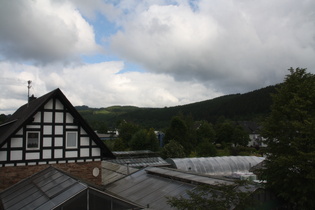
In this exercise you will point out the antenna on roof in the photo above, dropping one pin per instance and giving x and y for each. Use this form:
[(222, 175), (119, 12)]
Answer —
[(28, 90)]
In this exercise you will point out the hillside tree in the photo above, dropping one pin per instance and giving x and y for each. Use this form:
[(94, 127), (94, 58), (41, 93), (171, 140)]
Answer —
[(144, 140), (173, 149), (179, 132)]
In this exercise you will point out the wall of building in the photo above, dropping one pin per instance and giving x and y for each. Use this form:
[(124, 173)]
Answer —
[(51, 126), (90, 172)]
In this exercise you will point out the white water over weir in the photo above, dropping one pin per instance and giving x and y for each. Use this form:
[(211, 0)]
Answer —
[(225, 165)]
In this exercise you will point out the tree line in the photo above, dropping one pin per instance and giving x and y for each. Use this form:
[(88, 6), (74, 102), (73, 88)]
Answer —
[(184, 137)]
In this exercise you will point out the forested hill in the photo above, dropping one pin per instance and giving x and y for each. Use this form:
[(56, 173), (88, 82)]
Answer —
[(247, 106)]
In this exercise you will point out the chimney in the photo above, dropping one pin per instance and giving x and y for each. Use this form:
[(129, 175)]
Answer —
[(31, 98)]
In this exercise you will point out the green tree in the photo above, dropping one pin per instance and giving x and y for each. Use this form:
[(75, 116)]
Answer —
[(144, 139), (178, 131), (224, 132), (127, 130), (119, 145), (290, 133), (153, 143), (240, 136), (206, 149), (205, 131), (173, 149), (205, 136), (230, 133)]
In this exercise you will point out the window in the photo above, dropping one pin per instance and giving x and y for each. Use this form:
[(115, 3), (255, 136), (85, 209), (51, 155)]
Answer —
[(71, 140), (32, 140)]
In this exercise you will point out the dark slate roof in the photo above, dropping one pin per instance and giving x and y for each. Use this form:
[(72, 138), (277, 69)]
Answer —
[(152, 185), (149, 190), (49, 189), (46, 189), (112, 172), (26, 112)]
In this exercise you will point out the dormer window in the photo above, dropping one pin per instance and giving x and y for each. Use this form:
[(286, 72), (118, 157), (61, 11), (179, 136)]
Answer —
[(72, 140), (32, 140)]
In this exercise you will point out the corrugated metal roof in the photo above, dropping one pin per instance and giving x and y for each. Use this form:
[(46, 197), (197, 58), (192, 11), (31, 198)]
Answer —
[(147, 189), (216, 165)]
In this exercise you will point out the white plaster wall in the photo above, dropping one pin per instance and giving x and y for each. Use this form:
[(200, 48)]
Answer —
[(58, 129), (47, 141), (47, 117), (69, 118), (49, 104), (37, 117), (58, 153), (71, 127), (83, 131), (20, 132), (16, 142), (59, 105), (46, 153), (58, 141), (16, 155), (96, 152), (3, 155), (59, 117), (84, 152), (47, 129), (33, 126), (85, 141), (70, 154), (32, 156)]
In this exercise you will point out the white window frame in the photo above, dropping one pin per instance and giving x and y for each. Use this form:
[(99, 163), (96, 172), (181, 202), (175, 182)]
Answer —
[(27, 140), (76, 140)]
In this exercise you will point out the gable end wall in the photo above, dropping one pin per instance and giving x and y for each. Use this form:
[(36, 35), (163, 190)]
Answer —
[(52, 122)]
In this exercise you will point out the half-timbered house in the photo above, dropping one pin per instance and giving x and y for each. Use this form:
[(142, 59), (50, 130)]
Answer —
[(49, 130)]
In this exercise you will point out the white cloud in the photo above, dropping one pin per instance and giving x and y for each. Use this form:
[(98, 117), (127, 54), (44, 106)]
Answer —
[(98, 85), (234, 45), (44, 31), (189, 50)]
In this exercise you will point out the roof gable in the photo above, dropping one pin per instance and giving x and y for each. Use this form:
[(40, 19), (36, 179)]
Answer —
[(25, 114)]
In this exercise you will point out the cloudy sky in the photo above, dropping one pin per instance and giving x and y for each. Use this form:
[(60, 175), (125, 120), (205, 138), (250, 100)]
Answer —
[(150, 53)]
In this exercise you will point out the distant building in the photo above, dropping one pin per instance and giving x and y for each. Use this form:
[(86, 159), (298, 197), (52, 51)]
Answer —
[(254, 132), (160, 136), (107, 136)]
